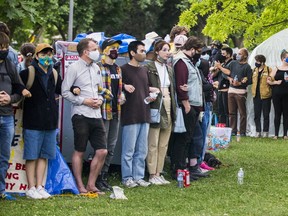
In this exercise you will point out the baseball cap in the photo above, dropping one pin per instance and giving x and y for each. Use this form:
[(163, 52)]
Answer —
[(42, 46), (109, 42), (180, 40)]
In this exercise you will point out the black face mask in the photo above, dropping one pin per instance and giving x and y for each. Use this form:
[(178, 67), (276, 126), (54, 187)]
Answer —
[(3, 54), (196, 57), (113, 54), (257, 65), (221, 58)]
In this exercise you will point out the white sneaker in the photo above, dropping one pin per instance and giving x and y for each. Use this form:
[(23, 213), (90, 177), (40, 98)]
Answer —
[(163, 180), (33, 193), (265, 134), (129, 183), (143, 183), (155, 180), (43, 192)]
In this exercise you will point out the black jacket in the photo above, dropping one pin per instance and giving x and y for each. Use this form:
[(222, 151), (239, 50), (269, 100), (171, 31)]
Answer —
[(40, 112)]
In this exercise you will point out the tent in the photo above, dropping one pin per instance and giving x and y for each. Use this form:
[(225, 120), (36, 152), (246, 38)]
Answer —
[(271, 49)]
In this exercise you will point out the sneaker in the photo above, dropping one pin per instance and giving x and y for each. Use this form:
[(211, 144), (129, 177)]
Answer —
[(129, 183), (6, 196), (164, 181), (33, 193), (258, 134), (155, 180), (203, 165), (204, 170), (195, 171), (43, 192), (143, 183), (265, 134)]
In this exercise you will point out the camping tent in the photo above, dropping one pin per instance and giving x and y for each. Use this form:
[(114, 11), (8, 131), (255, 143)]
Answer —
[(271, 49)]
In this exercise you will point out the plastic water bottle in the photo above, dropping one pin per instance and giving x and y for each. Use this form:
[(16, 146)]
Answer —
[(240, 176), (236, 78), (180, 180), (238, 137), (152, 95)]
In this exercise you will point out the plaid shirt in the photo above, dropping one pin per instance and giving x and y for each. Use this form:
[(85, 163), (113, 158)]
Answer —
[(106, 78)]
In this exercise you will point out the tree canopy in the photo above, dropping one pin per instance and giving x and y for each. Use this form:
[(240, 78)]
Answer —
[(250, 21)]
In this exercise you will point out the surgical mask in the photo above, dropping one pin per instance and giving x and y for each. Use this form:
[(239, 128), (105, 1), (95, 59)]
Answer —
[(257, 65), (161, 60), (205, 57), (46, 61), (286, 60), (94, 55), (3, 54), (238, 57), (113, 54)]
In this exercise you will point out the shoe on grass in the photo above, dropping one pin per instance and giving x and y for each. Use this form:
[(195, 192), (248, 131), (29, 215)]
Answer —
[(129, 183), (143, 183), (163, 180), (265, 134), (33, 193), (43, 192), (155, 180), (6, 196), (195, 171), (203, 165)]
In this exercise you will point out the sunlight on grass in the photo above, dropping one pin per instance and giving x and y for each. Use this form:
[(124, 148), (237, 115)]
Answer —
[(264, 191)]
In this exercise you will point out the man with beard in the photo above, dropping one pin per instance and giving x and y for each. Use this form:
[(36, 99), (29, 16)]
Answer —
[(240, 74), (135, 117), (191, 101)]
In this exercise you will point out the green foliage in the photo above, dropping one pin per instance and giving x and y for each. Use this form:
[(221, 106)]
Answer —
[(264, 191), (254, 20)]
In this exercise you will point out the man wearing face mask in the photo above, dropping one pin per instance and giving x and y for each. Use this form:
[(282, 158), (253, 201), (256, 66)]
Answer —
[(240, 76), (191, 101), (86, 113), (135, 117), (40, 120), (111, 110)]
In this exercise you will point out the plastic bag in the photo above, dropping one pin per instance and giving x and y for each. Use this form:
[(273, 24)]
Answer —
[(59, 177)]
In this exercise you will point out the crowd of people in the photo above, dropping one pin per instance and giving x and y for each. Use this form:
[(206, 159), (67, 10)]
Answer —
[(105, 97)]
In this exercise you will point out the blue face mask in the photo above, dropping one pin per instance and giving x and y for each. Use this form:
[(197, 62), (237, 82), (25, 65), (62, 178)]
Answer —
[(46, 61), (286, 60)]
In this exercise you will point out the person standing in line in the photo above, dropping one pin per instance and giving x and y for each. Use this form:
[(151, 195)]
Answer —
[(161, 77), (261, 92), (40, 120), (111, 110), (240, 76), (279, 81), (135, 117), (8, 96), (27, 50), (86, 113)]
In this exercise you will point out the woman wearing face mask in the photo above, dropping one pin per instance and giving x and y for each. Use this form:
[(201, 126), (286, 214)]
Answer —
[(279, 80), (261, 92), (40, 119), (27, 50), (161, 77), (111, 110)]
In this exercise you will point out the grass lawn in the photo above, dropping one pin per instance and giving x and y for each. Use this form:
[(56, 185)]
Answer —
[(264, 191)]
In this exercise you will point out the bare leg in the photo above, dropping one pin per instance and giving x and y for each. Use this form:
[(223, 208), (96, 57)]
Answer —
[(30, 172), (40, 171), (95, 168), (77, 165)]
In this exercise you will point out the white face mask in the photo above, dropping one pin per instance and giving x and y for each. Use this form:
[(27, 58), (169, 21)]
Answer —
[(206, 57), (94, 55)]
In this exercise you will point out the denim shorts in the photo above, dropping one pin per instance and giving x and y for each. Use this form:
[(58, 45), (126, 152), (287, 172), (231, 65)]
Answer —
[(39, 144)]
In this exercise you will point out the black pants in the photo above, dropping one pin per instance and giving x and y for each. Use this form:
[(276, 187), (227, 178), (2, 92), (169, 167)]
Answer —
[(180, 142), (223, 108), (261, 105), (280, 103)]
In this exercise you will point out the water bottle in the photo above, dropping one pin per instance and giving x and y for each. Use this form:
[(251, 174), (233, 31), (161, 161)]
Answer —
[(180, 180), (236, 78), (90, 158), (238, 137), (240, 176), (152, 95)]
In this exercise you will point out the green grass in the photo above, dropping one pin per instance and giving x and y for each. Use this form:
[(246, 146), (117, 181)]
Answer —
[(264, 191)]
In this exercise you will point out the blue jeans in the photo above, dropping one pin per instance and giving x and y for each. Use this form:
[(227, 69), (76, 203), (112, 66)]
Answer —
[(134, 151), (205, 125), (6, 137)]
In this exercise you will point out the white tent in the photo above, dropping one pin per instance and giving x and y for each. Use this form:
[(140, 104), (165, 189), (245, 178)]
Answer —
[(271, 49)]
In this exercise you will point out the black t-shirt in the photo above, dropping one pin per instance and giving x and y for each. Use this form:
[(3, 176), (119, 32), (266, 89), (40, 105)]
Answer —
[(114, 84)]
